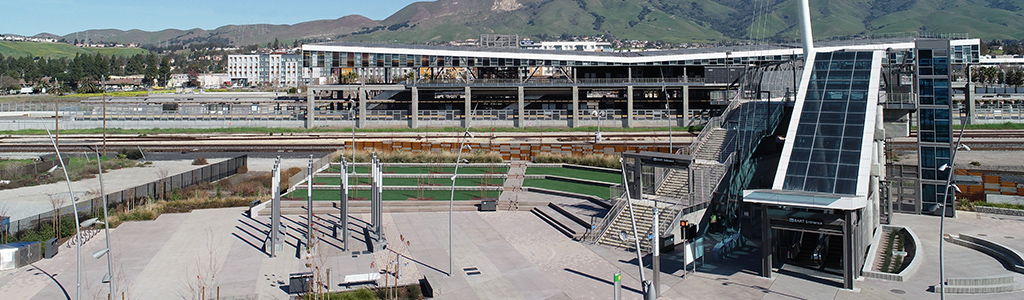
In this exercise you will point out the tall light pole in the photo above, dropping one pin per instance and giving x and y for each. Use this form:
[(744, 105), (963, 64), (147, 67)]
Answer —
[(106, 229), (451, 201), (945, 200), (78, 228)]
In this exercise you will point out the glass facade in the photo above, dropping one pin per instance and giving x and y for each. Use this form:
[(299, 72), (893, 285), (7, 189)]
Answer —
[(827, 150), (935, 133)]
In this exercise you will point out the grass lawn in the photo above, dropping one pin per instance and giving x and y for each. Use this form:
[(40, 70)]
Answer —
[(413, 181), (427, 170), (329, 195), (611, 177), (572, 187)]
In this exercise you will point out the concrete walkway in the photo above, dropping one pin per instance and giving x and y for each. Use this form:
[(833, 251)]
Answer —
[(510, 192), (29, 201)]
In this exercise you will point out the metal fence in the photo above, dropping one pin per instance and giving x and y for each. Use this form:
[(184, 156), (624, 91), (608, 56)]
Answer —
[(318, 165), (152, 190)]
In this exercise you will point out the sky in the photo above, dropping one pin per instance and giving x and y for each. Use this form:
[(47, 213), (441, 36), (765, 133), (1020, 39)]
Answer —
[(61, 17)]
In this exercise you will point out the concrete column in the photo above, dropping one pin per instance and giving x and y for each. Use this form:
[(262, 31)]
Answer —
[(362, 108), (848, 249), (522, 107), (415, 117), (969, 99), (575, 106), (629, 106), (309, 108), (766, 242), (686, 105), (469, 107)]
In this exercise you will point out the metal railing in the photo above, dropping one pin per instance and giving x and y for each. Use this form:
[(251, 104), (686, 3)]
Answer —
[(554, 81)]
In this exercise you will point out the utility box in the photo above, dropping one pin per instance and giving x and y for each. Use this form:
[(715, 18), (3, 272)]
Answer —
[(668, 243), (50, 248), (299, 282), (488, 205), (17, 255)]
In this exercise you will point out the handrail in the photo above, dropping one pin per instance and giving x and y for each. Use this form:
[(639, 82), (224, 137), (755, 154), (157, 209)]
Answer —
[(607, 221)]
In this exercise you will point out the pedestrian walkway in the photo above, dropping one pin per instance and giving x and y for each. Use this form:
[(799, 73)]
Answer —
[(509, 198)]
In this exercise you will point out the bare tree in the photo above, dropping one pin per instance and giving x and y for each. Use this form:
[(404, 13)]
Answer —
[(206, 270), (4, 210), (316, 260), (162, 177), (56, 201)]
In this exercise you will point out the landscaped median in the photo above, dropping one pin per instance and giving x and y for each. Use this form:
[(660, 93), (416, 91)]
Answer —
[(574, 179)]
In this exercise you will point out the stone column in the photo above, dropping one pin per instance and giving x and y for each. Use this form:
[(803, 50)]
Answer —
[(310, 107), (575, 106), (629, 106), (522, 108), (362, 108), (686, 105), (415, 114), (469, 108)]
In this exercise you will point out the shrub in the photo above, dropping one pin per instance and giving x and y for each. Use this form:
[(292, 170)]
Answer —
[(199, 161), (242, 170), (601, 160), (133, 154)]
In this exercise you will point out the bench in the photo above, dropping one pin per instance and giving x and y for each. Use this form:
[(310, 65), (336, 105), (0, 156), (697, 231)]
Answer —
[(354, 279)]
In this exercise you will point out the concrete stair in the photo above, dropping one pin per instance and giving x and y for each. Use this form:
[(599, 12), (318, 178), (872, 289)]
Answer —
[(676, 184), (298, 207), (989, 285), (565, 222), (644, 217)]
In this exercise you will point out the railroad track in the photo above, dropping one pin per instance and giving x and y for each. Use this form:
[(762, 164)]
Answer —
[(302, 142)]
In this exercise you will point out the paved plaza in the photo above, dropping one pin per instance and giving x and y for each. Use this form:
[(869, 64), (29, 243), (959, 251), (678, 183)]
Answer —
[(515, 254), (508, 254)]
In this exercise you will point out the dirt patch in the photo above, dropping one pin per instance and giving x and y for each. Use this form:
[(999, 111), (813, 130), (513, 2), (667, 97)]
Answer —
[(420, 199)]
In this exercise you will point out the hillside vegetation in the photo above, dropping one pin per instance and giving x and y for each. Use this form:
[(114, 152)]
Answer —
[(60, 50), (665, 20)]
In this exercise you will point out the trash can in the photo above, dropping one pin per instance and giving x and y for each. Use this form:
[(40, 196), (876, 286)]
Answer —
[(50, 248), (299, 282), (488, 205)]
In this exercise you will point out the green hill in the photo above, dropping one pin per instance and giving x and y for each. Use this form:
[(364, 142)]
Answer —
[(58, 50), (665, 20)]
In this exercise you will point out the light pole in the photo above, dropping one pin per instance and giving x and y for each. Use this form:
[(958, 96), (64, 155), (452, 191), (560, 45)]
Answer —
[(945, 201), (106, 230), (78, 228), (599, 114), (451, 201), (351, 105)]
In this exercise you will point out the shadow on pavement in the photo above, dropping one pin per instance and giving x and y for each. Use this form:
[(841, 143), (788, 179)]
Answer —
[(638, 292)]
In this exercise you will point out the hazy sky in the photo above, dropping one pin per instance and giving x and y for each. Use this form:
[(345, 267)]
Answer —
[(30, 17)]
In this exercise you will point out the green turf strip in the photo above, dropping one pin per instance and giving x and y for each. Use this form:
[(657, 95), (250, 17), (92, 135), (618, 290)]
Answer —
[(414, 181), (610, 177), (572, 187), (334, 195)]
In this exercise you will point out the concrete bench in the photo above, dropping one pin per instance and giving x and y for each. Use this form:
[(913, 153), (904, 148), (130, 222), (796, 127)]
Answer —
[(354, 279)]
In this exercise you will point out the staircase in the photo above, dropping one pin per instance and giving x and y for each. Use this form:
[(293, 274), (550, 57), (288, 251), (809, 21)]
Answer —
[(711, 148), (676, 184), (644, 217), (562, 220)]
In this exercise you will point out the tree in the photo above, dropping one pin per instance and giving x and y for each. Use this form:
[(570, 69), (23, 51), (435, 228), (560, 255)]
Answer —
[(165, 70), (151, 72), (277, 44)]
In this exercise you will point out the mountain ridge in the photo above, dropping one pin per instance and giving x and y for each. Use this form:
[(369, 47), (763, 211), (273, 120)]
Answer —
[(664, 20)]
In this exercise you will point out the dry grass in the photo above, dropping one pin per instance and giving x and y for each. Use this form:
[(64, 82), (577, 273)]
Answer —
[(425, 157), (599, 160)]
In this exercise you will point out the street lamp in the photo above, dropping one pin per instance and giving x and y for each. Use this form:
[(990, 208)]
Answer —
[(599, 114), (78, 229), (945, 200)]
